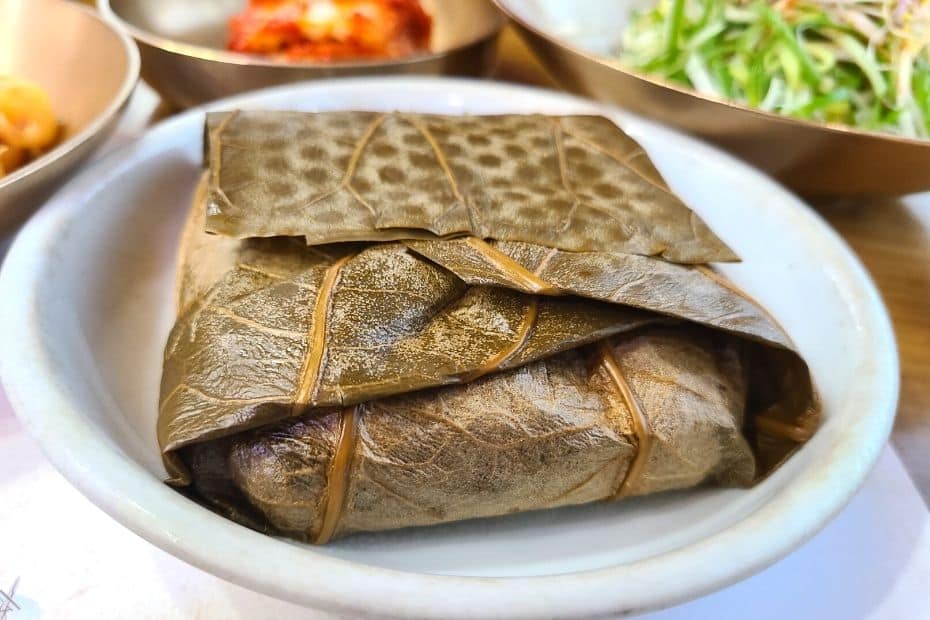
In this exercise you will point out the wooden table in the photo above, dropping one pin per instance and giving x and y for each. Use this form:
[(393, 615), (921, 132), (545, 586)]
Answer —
[(892, 237)]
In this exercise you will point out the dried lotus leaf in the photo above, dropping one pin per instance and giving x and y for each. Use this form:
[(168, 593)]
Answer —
[(318, 391), (264, 343), (574, 183), (395, 323), (555, 432)]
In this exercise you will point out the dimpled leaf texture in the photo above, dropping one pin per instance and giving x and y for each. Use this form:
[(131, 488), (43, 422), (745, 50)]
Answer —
[(574, 183)]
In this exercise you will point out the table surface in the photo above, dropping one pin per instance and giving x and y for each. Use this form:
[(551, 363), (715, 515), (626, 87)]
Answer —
[(892, 238)]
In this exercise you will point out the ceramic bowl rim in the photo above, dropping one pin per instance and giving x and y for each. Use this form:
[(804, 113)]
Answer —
[(125, 490)]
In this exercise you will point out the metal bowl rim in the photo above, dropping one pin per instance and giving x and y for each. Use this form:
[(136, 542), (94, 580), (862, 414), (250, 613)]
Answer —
[(212, 54), (101, 120), (609, 63)]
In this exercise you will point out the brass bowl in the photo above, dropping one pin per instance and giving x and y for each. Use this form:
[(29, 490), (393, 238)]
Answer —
[(574, 40), (88, 70), (184, 56)]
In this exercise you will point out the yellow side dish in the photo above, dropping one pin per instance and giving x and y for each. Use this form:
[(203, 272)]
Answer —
[(27, 123)]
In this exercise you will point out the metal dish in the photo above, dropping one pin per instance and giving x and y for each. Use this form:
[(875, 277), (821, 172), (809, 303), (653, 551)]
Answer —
[(88, 69), (575, 40), (184, 57)]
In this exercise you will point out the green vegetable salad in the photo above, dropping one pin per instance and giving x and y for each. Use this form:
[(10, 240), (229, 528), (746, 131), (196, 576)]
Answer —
[(860, 62)]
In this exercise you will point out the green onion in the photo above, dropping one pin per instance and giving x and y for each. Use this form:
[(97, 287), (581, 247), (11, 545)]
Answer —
[(921, 89), (781, 29), (864, 59), (674, 27), (823, 60)]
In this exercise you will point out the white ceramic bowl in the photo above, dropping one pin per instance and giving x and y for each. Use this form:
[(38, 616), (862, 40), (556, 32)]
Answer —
[(88, 302), (87, 67)]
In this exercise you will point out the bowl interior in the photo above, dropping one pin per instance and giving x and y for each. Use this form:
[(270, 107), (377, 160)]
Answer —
[(203, 23), (595, 26), (106, 306), (75, 57)]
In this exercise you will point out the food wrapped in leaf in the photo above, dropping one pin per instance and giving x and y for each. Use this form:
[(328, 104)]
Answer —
[(657, 409), (574, 182), (325, 390)]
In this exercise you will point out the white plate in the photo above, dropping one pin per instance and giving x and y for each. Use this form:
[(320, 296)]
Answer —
[(88, 301)]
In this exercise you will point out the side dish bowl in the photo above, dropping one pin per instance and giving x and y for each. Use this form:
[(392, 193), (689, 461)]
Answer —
[(89, 303), (577, 43), (64, 48), (183, 45)]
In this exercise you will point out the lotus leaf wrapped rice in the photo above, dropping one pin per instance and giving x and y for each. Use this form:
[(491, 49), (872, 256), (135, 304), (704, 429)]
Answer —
[(410, 366)]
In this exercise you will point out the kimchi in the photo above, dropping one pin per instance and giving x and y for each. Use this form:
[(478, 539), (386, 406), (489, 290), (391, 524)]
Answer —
[(331, 30)]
